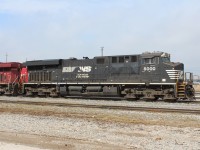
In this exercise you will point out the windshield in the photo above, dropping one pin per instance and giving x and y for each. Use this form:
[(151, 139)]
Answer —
[(165, 59)]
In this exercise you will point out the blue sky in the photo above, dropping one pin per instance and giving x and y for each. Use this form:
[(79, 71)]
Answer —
[(46, 29)]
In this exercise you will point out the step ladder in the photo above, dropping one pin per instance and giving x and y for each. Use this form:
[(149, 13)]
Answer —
[(180, 88)]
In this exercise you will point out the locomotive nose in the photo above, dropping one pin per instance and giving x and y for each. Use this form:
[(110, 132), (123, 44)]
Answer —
[(175, 70), (175, 65), (178, 66)]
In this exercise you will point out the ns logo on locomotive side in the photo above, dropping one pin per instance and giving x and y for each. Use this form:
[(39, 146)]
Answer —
[(147, 76)]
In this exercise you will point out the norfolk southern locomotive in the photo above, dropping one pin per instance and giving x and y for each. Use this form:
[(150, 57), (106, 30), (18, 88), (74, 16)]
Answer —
[(147, 76)]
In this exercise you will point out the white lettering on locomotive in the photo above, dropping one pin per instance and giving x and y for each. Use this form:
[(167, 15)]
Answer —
[(149, 69), (68, 69), (81, 76), (80, 69), (85, 69)]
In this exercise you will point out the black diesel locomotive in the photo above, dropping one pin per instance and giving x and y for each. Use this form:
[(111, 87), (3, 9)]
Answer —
[(148, 76)]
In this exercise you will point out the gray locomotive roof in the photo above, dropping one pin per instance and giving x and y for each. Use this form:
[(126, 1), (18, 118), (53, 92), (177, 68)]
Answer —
[(43, 62), (117, 55), (151, 55), (58, 61), (143, 55)]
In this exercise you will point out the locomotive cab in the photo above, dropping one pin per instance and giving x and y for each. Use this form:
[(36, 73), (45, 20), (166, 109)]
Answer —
[(183, 80), (160, 74), (150, 69)]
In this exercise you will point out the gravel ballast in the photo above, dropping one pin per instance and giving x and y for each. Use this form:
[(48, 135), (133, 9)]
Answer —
[(81, 128), (155, 104)]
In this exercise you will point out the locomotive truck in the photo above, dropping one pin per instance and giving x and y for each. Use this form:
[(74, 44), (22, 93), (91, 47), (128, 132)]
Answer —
[(148, 76)]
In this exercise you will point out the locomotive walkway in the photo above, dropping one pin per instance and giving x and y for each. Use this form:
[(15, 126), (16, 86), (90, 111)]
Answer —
[(145, 109)]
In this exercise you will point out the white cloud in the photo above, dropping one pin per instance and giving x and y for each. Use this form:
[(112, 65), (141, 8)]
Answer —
[(44, 29), (32, 6)]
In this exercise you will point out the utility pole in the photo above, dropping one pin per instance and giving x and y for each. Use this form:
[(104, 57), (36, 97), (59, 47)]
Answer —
[(102, 51)]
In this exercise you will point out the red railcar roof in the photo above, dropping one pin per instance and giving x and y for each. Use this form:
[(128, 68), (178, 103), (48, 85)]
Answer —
[(10, 65)]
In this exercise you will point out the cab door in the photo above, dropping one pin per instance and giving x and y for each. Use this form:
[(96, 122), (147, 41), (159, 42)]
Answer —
[(150, 70)]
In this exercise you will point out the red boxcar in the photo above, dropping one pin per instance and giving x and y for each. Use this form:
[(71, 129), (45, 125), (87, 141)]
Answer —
[(10, 78)]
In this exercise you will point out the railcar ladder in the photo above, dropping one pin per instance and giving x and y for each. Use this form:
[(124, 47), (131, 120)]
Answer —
[(181, 90)]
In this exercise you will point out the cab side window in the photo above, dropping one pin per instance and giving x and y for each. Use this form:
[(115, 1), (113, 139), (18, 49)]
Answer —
[(154, 60)]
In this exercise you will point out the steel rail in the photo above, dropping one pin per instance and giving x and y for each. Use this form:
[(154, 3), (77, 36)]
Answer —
[(145, 109)]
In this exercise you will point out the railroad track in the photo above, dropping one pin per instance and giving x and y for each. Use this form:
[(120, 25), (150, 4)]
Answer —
[(197, 95), (145, 109)]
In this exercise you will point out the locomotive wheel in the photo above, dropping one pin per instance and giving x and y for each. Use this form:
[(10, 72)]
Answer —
[(54, 94), (132, 99), (15, 90), (156, 98), (169, 98), (29, 93), (190, 92), (131, 96), (47, 94), (150, 99)]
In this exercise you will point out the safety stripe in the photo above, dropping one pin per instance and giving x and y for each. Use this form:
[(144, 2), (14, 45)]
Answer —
[(160, 83), (173, 74)]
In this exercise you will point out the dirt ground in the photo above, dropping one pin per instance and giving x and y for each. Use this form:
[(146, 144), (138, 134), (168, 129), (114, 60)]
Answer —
[(197, 88), (47, 127), (50, 143)]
